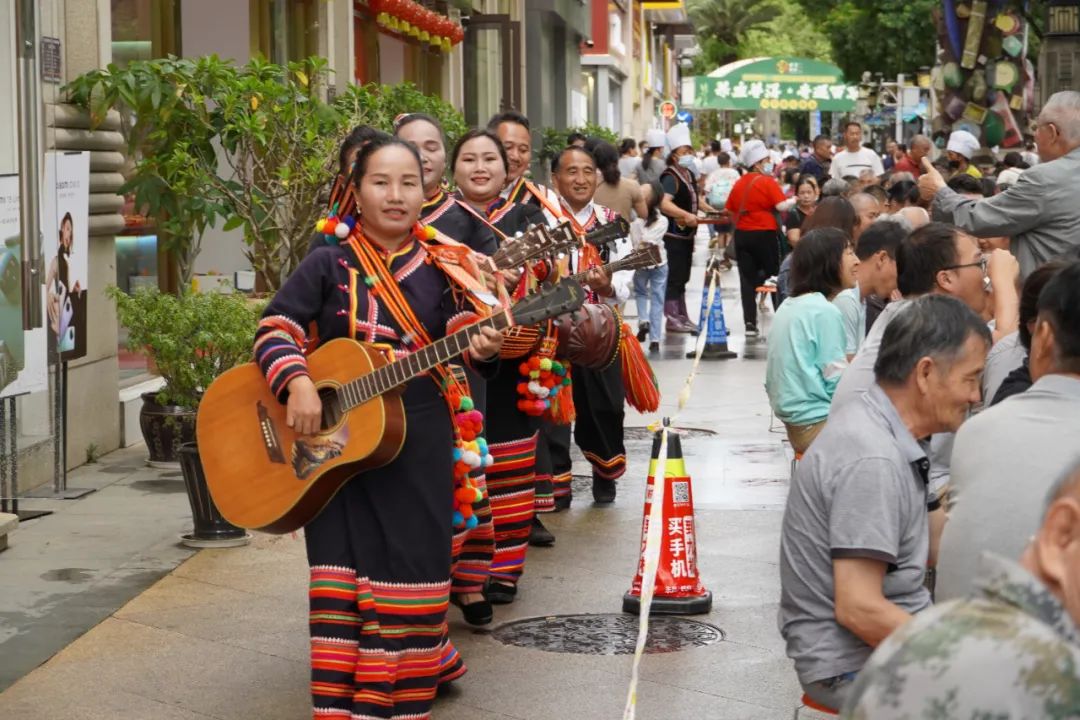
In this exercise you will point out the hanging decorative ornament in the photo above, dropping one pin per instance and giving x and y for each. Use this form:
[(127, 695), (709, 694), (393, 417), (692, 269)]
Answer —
[(469, 454), (544, 379)]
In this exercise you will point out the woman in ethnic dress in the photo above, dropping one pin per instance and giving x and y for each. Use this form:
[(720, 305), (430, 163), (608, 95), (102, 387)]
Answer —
[(480, 166), (379, 552), (441, 210)]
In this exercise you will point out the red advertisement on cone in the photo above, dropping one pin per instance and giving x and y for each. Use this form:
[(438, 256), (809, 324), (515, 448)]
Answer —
[(677, 572)]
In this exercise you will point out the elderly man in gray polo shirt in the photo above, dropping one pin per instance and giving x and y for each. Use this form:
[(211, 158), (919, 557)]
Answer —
[(854, 541), (1007, 457), (1040, 210)]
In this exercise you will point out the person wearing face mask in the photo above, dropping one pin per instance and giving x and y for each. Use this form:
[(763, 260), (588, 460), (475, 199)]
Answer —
[(754, 203), (961, 148), (441, 210), (680, 204)]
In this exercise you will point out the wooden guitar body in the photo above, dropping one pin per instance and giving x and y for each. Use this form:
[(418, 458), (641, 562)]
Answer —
[(261, 474)]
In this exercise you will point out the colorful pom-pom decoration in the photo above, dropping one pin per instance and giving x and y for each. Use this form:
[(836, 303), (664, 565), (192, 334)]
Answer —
[(470, 453)]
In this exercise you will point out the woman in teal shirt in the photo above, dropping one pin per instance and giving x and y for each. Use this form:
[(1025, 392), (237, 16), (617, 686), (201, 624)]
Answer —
[(807, 342)]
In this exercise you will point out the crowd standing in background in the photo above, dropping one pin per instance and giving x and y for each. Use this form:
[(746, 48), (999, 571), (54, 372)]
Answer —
[(923, 355)]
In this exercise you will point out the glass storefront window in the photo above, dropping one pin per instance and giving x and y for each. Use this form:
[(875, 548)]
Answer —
[(141, 30), (284, 30), (144, 29)]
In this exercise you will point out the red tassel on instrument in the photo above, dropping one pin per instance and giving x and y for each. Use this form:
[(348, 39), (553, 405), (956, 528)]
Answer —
[(562, 410), (639, 380)]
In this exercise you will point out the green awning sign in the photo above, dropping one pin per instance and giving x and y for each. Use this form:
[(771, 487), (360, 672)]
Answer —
[(772, 84)]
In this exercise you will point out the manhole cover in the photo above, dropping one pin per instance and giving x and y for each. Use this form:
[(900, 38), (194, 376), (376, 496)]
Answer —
[(606, 634), (644, 433)]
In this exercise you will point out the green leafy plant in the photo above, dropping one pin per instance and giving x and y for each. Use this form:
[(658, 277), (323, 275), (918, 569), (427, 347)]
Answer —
[(378, 105), (93, 452), (254, 145), (166, 122), (191, 337), (553, 140)]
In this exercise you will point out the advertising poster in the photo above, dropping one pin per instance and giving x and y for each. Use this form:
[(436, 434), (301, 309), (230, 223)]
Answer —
[(11, 321), (66, 211), (30, 346)]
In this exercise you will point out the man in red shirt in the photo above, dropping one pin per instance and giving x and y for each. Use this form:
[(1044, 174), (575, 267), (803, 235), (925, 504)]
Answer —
[(911, 161), (753, 203)]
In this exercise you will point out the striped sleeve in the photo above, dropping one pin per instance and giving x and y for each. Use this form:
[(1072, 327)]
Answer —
[(281, 336), (278, 343)]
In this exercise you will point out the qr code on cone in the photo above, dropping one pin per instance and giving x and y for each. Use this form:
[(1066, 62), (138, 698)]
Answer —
[(680, 492)]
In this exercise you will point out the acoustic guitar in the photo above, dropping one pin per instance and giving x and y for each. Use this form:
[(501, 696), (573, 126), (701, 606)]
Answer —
[(541, 241), (263, 476), (641, 258)]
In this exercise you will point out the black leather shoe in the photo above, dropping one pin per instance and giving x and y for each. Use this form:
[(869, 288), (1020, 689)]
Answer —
[(654, 347), (501, 593), (540, 536), (562, 502), (603, 491), (475, 613), (642, 331)]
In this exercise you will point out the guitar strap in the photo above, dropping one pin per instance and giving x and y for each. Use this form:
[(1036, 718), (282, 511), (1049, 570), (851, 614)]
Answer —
[(451, 381), (492, 218), (541, 197)]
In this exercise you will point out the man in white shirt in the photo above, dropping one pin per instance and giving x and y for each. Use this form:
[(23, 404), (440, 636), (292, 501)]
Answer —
[(598, 394), (855, 160)]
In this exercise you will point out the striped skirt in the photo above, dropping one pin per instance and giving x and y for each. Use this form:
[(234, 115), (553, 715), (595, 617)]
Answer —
[(379, 558), (473, 549), (511, 486), (553, 460), (376, 648)]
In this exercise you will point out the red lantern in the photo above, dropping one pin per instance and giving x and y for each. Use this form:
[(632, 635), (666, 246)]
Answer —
[(376, 6), (457, 35)]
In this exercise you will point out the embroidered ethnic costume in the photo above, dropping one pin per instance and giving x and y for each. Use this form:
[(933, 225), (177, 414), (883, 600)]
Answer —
[(379, 551)]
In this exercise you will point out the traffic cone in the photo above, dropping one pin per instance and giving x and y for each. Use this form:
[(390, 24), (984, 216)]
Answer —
[(678, 589), (716, 336)]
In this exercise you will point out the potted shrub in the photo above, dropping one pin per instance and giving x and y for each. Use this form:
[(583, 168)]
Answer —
[(191, 338)]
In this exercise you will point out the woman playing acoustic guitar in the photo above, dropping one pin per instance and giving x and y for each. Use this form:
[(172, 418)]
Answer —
[(379, 552)]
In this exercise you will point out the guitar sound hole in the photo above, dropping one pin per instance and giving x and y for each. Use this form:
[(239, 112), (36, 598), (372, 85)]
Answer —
[(331, 407)]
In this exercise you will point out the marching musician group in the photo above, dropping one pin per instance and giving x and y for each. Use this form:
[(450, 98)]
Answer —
[(401, 261)]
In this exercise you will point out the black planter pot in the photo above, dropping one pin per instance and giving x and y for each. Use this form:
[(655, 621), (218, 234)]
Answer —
[(165, 428), (209, 528)]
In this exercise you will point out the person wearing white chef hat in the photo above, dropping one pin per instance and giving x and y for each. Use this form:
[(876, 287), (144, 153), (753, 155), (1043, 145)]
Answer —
[(652, 161), (680, 205), (961, 148)]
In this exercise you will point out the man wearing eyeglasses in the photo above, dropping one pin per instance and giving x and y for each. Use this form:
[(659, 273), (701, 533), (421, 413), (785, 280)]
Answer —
[(938, 259), (1039, 211)]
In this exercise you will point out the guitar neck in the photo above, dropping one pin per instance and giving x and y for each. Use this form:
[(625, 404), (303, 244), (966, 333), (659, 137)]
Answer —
[(406, 368), (630, 262)]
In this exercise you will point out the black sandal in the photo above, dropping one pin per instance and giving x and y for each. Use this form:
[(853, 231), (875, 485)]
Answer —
[(475, 613), (501, 593)]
